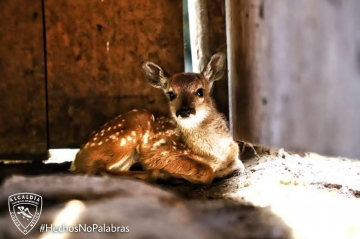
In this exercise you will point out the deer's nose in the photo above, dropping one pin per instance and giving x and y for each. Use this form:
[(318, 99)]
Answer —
[(184, 112)]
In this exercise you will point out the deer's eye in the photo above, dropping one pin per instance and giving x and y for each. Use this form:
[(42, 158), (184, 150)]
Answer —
[(200, 92), (171, 95)]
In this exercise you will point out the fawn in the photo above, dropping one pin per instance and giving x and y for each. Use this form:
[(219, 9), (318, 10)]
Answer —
[(193, 144)]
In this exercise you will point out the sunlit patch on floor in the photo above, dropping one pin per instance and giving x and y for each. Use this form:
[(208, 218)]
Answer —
[(61, 155), (68, 217), (314, 194)]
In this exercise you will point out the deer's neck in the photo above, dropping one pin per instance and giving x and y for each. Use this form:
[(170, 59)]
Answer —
[(211, 140), (206, 135)]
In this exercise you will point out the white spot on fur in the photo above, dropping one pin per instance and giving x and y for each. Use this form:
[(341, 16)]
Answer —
[(129, 138), (95, 138), (164, 153), (146, 137), (92, 144), (100, 143), (114, 138), (158, 143), (119, 125), (123, 164), (108, 129), (133, 133), (123, 142), (117, 133)]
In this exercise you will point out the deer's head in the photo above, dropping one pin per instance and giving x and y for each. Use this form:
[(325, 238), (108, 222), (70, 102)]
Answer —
[(188, 93)]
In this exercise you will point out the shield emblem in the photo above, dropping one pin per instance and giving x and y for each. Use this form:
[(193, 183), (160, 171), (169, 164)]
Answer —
[(25, 210)]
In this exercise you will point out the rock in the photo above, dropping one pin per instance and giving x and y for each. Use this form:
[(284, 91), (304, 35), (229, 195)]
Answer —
[(147, 210)]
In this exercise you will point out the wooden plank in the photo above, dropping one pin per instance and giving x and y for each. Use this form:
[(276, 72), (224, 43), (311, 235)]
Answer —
[(22, 84), (241, 66), (302, 73), (95, 51)]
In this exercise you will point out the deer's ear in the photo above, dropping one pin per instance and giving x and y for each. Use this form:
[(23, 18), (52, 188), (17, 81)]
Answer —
[(156, 76), (215, 69)]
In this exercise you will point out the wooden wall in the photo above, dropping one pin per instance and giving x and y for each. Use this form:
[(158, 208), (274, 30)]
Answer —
[(293, 69), (22, 80), (295, 74), (94, 54), (95, 51)]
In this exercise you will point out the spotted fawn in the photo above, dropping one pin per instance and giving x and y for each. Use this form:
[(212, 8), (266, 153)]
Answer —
[(194, 143)]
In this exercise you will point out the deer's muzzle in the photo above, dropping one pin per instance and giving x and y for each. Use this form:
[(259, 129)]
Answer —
[(185, 112)]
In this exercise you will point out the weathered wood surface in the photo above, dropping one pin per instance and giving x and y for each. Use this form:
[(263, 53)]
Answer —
[(295, 73), (95, 51), (239, 30), (22, 80)]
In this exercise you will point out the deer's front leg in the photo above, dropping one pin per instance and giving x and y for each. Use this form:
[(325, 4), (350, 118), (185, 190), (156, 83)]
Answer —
[(148, 175), (190, 169), (182, 166)]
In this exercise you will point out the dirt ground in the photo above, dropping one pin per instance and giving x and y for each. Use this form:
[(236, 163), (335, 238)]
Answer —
[(317, 196), (291, 196)]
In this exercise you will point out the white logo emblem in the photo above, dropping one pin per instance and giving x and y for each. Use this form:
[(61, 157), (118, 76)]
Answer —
[(25, 210)]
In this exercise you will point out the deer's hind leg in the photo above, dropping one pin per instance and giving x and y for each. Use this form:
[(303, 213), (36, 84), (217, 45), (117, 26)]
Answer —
[(163, 161), (96, 160)]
